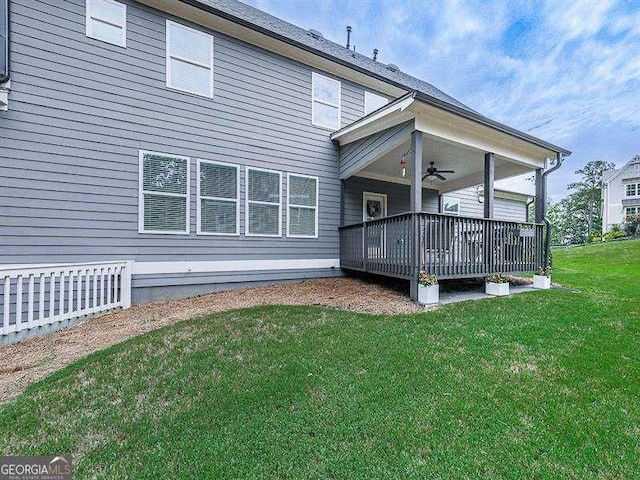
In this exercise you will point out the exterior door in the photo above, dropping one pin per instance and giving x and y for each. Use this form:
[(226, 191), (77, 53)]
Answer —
[(374, 206)]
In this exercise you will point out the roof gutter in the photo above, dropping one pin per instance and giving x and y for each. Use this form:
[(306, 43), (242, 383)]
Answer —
[(422, 96)]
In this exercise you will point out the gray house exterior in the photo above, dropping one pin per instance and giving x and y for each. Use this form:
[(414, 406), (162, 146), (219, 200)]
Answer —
[(621, 194), (85, 119)]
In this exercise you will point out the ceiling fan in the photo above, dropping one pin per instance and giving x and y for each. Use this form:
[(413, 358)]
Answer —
[(432, 171)]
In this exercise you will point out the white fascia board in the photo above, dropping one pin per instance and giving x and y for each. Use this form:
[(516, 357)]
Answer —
[(386, 117), (216, 266)]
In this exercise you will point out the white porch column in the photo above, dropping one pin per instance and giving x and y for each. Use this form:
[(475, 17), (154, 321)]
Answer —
[(416, 168), (489, 180), (416, 208)]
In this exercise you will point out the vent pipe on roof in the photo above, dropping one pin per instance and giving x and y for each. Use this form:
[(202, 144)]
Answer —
[(4, 41), (348, 37), (375, 54)]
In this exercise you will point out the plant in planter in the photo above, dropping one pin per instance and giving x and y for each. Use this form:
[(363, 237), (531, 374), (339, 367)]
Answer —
[(497, 284), (542, 278), (428, 289)]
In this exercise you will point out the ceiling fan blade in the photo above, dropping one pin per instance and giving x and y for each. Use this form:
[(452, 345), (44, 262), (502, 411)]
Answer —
[(427, 175), (440, 176), (446, 171)]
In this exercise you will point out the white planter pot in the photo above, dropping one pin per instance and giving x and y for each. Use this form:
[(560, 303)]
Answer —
[(428, 295), (542, 282), (497, 289)]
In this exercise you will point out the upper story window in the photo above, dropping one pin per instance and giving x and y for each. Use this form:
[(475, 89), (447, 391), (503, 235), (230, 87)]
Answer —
[(632, 189), (302, 205), (164, 193), (373, 102), (264, 204), (189, 60), (107, 21), (218, 194), (325, 106)]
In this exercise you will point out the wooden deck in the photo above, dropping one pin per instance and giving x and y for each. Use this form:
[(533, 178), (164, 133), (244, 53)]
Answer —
[(448, 246)]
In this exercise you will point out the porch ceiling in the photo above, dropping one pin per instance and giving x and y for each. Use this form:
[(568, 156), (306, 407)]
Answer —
[(467, 163), (372, 146)]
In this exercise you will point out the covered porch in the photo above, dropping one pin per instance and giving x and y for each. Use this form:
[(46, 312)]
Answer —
[(398, 146)]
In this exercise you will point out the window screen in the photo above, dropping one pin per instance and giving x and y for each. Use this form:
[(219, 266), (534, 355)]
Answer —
[(325, 102), (164, 193), (263, 203), (218, 191), (302, 201), (189, 60), (107, 21)]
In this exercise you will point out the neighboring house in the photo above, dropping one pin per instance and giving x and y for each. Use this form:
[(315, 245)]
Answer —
[(205, 145), (621, 194)]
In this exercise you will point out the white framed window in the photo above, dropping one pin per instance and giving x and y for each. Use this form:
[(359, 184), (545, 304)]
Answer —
[(164, 185), (106, 20), (218, 211), (325, 103), (189, 60), (450, 205), (373, 102), (632, 189), (632, 211), (302, 206), (263, 208)]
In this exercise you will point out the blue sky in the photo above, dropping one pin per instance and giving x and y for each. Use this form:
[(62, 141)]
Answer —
[(565, 71)]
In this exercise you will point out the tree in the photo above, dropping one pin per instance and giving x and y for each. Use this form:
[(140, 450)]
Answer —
[(584, 204)]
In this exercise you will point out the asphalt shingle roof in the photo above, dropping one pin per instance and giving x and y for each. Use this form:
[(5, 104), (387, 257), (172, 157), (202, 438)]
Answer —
[(292, 32)]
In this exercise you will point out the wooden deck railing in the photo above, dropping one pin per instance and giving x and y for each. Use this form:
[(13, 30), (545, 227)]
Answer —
[(448, 246)]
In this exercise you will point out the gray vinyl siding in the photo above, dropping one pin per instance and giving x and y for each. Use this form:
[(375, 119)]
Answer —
[(81, 109), (398, 201), (149, 288), (398, 197), (504, 209), (361, 152)]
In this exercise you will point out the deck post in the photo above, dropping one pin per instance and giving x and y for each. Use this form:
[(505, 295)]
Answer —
[(489, 179), (416, 208), (540, 200)]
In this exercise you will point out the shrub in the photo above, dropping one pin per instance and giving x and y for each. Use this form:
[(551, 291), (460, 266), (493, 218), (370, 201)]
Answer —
[(427, 280), (497, 278), (630, 225)]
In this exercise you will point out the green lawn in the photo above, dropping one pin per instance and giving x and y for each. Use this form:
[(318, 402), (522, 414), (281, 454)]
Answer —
[(541, 385)]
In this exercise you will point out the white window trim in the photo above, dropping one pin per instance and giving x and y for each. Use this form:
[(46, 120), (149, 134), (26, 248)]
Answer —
[(333, 128), (451, 198), (201, 197), (289, 204), (141, 193), (247, 202), (89, 25), (367, 99), (169, 56), (637, 189)]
